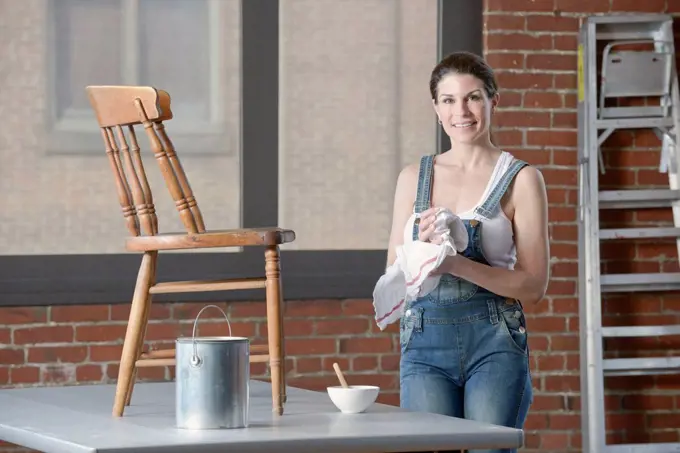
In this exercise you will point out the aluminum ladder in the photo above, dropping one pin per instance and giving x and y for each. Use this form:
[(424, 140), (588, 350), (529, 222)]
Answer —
[(625, 73)]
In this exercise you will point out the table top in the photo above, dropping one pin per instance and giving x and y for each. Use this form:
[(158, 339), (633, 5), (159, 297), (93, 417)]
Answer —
[(77, 419)]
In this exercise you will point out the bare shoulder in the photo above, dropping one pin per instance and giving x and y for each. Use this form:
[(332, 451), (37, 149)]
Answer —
[(529, 182), (407, 183), (527, 193)]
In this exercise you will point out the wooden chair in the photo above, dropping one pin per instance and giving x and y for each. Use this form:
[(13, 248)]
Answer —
[(119, 109)]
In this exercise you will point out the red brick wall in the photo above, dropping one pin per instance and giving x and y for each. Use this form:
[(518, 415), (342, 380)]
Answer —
[(532, 45)]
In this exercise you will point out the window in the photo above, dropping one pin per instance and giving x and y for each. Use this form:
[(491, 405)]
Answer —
[(284, 116), (143, 42), (355, 108)]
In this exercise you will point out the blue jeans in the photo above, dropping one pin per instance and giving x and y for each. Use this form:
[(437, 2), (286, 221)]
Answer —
[(466, 359)]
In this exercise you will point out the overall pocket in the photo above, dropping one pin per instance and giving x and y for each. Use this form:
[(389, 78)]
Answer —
[(410, 323), (452, 290), (514, 323)]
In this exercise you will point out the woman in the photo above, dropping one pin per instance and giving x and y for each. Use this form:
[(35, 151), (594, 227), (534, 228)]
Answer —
[(464, 346)]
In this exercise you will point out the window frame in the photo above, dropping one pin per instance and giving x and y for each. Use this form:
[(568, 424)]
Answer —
[(45, 280)]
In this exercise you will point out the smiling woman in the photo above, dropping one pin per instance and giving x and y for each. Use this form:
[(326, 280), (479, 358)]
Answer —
[(464, 345)]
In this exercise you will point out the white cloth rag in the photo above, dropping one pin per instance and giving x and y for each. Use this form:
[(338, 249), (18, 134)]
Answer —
[(409, 277)]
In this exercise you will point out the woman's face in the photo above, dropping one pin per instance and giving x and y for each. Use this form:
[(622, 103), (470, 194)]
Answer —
[(464, 108)]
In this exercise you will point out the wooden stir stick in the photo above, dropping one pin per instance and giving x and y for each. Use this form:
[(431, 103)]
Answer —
[(341, 377)]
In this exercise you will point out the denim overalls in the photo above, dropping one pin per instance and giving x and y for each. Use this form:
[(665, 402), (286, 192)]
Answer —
[(463, 348)]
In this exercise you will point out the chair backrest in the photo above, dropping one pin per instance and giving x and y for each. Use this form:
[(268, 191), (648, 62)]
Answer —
[(119, 109)]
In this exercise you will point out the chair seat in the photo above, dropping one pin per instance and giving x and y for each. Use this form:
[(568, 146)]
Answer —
[(216, 238)]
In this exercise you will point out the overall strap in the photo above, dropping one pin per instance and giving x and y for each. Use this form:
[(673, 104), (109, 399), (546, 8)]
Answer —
[(424, 192), (491, 204)]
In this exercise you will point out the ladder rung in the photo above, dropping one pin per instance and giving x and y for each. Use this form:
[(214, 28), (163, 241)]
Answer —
[(632, 199), (643, 448), (616, 283), (640, 331), (634, 123), (639, 233), (641, 366)]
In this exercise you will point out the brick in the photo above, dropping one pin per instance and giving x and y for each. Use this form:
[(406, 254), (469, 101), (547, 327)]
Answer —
[(541, 99), (552, 441), (564, 422), (568, 342), (519, 41), (365, 345), (310, 346), (298, 327), (316, 308), (504, 22), (524, 81), (506, 137), (307, 365), (564, 158), (43, 334), (365, 363), (389, 362), (79, 313), (89, 373), (355, 307), (536, 421), (550, 363), (506, 60), (248, 310), (342, 326), (559, 177), (647, 402), (105, 353), (564, 250), (563, 232), (516, 6), (550, 324), (100, 333), (510, 99), (564, 269), (568, 43), (580, 6), (551, 23), (71, 354), (551, 62), (562, 383), (509, 118), (648, 6), (24, 375), (23, 315), (553, 138), (12, 356)]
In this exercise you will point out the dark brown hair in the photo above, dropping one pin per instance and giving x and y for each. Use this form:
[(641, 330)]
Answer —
[(464, 63)]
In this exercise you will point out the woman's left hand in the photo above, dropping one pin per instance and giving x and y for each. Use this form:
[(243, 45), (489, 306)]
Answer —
[(426, 226)]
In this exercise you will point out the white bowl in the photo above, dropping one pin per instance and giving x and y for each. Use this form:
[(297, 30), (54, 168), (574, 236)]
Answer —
[(354, 399)]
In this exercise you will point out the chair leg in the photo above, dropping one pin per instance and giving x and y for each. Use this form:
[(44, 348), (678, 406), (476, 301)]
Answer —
[(282, 340), (135, 330), (273, 291), (145, 322)]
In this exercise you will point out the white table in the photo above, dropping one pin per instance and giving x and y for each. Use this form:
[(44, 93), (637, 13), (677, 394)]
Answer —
[(78, 419)]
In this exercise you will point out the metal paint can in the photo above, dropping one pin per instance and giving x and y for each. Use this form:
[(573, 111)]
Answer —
[(212, 380)]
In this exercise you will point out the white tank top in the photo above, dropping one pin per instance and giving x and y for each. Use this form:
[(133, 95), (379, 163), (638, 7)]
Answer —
[(498, 241)]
